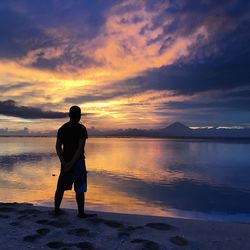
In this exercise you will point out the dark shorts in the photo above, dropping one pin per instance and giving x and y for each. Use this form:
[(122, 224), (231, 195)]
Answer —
[(78, 176)]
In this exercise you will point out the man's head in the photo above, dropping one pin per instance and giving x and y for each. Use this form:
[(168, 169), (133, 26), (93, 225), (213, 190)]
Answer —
[(75, 113)]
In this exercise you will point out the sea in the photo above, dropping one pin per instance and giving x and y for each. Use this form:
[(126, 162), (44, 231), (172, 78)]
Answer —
[(184, 178)]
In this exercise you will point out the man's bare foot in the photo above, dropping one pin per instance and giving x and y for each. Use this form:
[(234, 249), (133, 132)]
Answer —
[(58, 212)]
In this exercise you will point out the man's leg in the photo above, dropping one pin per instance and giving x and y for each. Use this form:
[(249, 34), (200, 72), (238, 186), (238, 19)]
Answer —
[(80, 199), (58, 199)]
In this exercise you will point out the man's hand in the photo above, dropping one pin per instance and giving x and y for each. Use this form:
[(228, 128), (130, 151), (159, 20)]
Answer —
[(66, 166)]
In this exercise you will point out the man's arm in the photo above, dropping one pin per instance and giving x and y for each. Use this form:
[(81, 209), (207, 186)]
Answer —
[(59, 151), (77, 154)]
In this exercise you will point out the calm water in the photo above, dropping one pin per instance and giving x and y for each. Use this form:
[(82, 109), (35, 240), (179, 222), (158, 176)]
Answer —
[(178, 178)]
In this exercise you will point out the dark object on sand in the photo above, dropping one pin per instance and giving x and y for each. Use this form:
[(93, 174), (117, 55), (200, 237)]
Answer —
[(31, 238), (178, 240), (79, 232), (147, 244), (43, 231), (159, 226), (84, 215), (82, 245)]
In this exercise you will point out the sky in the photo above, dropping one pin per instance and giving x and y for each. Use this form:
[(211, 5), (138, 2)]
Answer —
[(127, 64)]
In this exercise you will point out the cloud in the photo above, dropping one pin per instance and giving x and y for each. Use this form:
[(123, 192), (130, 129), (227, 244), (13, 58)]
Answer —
[(134, 40), (192, 78), (19, 35), (14, 87), (53, 40), (223, 107), (68, 60), (221, 61), (9, 108), (90, 98), (234, 105), (102, 93)]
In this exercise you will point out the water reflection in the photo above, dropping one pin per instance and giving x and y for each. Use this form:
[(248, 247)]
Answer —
[(183, 195), (8, 162), (150, 176)]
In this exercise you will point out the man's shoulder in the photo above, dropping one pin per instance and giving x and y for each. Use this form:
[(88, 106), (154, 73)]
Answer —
[(82, 126), (64, 126)]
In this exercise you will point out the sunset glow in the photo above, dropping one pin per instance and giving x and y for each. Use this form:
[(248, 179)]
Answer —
[(127, 64)]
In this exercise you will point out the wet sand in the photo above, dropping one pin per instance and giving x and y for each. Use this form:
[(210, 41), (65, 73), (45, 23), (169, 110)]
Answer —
[(25, 226)]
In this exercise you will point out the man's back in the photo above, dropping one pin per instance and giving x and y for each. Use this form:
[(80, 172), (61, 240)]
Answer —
[(70, 134), (70, 143)]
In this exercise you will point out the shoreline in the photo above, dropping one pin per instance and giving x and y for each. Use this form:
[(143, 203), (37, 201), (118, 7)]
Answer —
[(176, 214), (25, 226)]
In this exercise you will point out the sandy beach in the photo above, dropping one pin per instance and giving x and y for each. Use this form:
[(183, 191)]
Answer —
[(25, 226)]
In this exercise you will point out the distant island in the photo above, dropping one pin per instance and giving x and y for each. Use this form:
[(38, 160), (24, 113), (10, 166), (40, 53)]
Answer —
[(177, 130), (174, 130)]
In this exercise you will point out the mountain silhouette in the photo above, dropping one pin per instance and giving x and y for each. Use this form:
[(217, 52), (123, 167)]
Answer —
[(175, 129)]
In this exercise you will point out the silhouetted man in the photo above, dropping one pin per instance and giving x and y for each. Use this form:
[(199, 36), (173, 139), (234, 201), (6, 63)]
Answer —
[(71, 138)]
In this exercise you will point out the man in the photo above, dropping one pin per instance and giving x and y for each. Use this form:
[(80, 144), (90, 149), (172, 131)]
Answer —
[(71, 139)]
